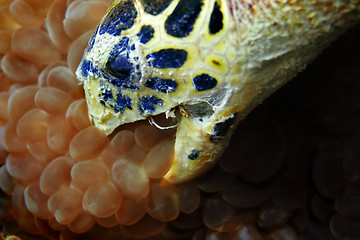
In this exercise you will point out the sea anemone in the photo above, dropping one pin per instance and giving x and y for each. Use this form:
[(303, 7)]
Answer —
[(62, 178)]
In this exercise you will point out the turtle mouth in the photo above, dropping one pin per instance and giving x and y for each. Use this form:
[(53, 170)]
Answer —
[(152, 145), (168, 127)]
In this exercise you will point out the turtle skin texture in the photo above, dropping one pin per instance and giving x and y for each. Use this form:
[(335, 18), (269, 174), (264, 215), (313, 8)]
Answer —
[(206, 63)]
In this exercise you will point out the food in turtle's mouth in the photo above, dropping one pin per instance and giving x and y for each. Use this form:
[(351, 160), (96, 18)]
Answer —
[(62, 178)]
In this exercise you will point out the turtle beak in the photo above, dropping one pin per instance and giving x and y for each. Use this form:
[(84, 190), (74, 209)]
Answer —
[(200, 140)]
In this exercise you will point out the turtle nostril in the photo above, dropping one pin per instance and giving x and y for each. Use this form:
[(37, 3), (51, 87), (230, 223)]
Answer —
[(120, 66)]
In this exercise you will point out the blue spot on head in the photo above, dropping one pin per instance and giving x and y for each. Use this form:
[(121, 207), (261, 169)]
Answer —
[(147, 104), (216, 19), (146, 33), (122, 102), (161, 84), (194, 154), (204, 82), (88, 67), (221, 129), (154, 7), (119, 82), (91, 41), (105, 94), (85, 66), (120, 17), (181, 21), (167, 58), (121, 46)]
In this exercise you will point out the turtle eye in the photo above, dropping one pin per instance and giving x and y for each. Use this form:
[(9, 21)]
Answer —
[(118, 63), (120, 66)]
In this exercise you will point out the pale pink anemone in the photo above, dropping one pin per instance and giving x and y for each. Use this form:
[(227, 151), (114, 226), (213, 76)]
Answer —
[(291, 172)]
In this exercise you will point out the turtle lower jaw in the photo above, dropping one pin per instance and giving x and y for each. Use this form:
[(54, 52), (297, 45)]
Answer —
[(193, 153), (200, 138), (187, 153)]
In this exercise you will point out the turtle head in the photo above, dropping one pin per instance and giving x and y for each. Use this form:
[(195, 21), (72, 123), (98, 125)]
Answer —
[(133, 69)]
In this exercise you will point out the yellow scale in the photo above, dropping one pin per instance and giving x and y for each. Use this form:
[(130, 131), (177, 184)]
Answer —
[(237, 53)]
